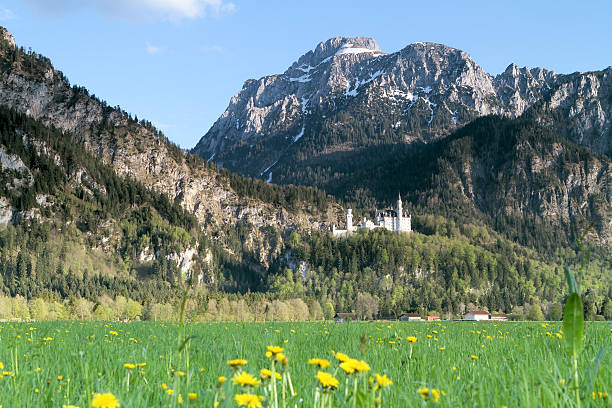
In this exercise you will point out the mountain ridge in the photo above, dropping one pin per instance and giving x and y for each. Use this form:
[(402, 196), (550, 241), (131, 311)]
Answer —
[(429, 89)]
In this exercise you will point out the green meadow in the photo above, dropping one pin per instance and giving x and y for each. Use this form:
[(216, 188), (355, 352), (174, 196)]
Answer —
[(148, 364)]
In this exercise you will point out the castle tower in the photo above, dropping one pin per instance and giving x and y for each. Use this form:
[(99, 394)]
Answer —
[(400, 213), (349, 219)]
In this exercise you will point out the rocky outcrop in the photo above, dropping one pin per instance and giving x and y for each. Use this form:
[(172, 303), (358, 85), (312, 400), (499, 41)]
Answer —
[(425, 91)]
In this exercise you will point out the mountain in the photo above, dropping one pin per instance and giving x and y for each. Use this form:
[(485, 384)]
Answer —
[(246, 217), (516, 175), (348, 96)]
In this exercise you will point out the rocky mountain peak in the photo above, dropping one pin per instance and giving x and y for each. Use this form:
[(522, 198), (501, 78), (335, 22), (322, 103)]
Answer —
[(338, 46), (5, 36)]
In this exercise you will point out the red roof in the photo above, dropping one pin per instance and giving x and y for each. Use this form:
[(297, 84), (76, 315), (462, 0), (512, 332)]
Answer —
[(479, 312), (499, 315)]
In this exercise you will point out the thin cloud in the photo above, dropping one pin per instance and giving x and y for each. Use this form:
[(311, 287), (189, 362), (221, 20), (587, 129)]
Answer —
[(154, 49), (6, 14), (212, 49), (140, 10)]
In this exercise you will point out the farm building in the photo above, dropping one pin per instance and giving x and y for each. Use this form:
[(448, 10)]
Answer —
[(477, 315), (411, 317), (344, 317), (499, 317), (431, 318)]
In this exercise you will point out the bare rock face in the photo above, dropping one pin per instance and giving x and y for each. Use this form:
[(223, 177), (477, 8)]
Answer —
[(426, 89), (580, 108), (135, 149)]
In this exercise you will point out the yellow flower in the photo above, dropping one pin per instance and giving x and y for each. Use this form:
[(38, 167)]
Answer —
[(327, 380), (237, 362), (1, 366), (266, 374), (411, 339), (107, 400), (382, 381), (180, 373), (129, 366), (221, 379), (192, 396), (352, 365), (274, 349), (114, 333), (245, 379), (69, 406), (48, 339), (474, 357), (169, 391), (164, 386), (248, 400), (321, 362), (424, 392), (141, 365), (341, 357)]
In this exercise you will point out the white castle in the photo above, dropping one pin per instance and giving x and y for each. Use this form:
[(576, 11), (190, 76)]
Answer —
[(392, 220)]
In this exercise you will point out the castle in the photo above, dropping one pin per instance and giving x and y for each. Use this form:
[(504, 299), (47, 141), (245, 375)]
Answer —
[(392, 220)]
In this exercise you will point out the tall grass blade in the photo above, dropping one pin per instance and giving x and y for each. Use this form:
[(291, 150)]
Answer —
[(594, 370), (571, 281), (573, 323)]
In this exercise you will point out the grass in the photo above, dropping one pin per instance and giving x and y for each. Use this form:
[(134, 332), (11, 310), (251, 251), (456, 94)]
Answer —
[(517, 364)]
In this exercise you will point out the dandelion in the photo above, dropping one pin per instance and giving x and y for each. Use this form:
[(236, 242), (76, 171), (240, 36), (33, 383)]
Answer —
[(275, 349), (474, 357), (267, 374), (320, 362), (169, 391), (236, 363), (411, 339), (129, 366), (69, 406), (245, 379), (248, 400), (164, 386), (351, 365), (341, 357), (106, 400), (327, 380), (433, 393), (382, 381), (192, 396), (222, 379)]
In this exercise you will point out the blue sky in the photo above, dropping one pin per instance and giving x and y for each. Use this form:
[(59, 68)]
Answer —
[(178, 62)]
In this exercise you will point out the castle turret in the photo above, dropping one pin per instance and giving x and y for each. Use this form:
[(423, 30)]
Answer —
[(349, 219), (400, 213)]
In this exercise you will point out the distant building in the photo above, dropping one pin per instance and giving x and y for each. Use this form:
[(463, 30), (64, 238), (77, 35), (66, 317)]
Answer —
[(431, 318), (411, 317), (393, 220), (343, 317), (499, 317), (477, 315)]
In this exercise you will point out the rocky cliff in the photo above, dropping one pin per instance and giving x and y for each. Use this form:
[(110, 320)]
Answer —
[(135, 149)]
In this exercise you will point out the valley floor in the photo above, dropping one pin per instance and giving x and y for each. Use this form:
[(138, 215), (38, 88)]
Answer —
[(150, 364)]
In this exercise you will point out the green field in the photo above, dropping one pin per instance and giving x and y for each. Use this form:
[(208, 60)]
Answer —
[(53, 364)]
